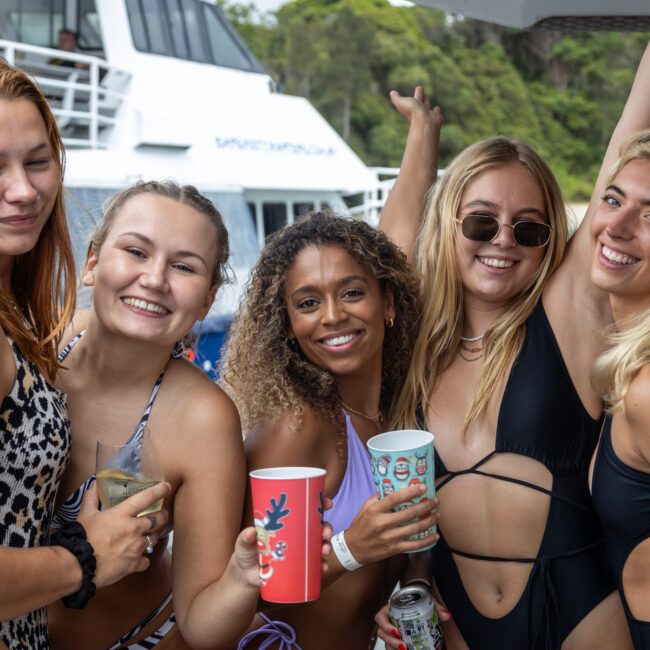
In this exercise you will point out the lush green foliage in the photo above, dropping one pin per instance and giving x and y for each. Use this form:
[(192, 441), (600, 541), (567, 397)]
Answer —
[(563, 93)]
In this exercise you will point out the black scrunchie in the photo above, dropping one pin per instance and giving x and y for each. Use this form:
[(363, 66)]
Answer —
[(72, 536)]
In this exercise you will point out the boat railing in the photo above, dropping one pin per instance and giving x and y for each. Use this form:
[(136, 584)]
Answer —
[(84, 91), (372, 201)]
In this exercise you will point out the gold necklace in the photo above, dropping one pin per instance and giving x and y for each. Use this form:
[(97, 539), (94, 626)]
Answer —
[(465, 348), (375, 419)]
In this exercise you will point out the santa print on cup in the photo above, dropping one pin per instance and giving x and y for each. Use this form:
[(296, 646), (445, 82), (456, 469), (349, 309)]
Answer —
[(400, 459), (401, 470), (266, 528)]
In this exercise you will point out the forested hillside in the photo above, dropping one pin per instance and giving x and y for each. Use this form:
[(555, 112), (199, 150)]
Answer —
[(562, 92)]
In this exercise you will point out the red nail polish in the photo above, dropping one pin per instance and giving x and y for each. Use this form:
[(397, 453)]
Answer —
[(395, 633), (402, 646)]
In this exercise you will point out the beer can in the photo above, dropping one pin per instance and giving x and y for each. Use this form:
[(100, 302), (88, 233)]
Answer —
[(414, 614)]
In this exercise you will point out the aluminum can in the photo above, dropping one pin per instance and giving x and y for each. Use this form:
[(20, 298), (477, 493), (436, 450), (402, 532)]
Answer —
[(414, 614)]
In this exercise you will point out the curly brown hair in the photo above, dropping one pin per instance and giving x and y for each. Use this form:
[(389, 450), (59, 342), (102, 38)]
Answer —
[(267, 374)]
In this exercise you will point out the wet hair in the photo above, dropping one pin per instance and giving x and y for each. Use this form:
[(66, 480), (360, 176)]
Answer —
[(184, 194), (264, 371), (442, 289), (42, 279)]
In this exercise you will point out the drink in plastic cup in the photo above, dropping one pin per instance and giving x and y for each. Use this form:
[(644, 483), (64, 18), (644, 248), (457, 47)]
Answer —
[(288, 514), (401, 459)]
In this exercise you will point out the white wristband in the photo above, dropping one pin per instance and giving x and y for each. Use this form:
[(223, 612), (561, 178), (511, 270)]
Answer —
[(342, 552)]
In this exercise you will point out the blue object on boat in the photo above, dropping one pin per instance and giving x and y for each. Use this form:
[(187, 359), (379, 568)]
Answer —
[(210, 336)]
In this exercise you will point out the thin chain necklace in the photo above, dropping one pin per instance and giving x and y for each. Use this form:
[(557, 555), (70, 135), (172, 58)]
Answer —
[(375, 419), (463, 347)]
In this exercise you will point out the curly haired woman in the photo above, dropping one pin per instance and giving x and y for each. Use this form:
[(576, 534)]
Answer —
[(317, 352)]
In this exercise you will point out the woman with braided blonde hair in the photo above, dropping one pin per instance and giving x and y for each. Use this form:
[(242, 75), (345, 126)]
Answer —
[(620, 480)]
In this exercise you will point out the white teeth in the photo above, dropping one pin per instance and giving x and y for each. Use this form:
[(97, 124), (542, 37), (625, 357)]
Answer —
[(339, 340), (619, 258), (147, 306), (496, 263)]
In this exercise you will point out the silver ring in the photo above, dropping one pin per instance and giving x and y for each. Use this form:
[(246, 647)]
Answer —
[(149, 547)]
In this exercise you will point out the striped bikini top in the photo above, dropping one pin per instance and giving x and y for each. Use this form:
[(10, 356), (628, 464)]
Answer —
[(69, 510)]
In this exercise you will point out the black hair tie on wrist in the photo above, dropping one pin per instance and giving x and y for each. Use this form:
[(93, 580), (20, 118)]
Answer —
[(72, 536)]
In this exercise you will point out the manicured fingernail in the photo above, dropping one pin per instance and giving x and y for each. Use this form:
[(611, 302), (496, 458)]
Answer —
[(445, 611), (395, 633), (402, 646)]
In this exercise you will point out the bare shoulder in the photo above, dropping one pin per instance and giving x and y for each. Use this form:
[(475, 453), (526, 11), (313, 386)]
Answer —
[(192, 400), (637, 410), (289, 439), (78, 323)]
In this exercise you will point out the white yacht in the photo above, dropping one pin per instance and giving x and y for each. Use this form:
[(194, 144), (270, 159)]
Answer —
[(166, 89)]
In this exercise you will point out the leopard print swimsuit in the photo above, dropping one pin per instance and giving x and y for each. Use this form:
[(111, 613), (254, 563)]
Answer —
[(34, 448)]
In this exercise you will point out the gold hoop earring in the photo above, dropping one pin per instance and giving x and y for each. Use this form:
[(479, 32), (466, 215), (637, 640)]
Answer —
[(390, 322)]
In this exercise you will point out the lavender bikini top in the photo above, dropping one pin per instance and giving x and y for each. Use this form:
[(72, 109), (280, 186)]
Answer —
[(358, 483)]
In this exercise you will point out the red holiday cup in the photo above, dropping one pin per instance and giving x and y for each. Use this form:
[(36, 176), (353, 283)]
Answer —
[(288, 514)]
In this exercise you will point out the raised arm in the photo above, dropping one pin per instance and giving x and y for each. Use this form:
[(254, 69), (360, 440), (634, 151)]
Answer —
[(402, 213), (576, 308), (575, 269)]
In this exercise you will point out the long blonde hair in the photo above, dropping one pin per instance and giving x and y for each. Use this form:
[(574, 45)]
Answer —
[(442, 289), (615, 368), (42, 279), (629, 341)]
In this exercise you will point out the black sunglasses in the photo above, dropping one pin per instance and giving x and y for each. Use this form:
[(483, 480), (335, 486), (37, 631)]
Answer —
[(481, 227)]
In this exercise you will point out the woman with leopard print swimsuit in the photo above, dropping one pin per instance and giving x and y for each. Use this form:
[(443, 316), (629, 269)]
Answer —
[(36, 301)]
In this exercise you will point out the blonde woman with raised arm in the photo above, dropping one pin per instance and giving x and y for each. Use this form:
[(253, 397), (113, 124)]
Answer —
[(620, 475), (500, 375)]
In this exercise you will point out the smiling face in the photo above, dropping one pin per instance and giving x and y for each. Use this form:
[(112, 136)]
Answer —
[(336, 311), (152, 274), (29, 180), (620, 230), (493, 273)]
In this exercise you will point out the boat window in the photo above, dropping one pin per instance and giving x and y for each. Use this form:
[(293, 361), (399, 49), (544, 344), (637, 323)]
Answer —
[(195, 33), (36, 22), (187, 29), (154, 24), (88, 26), (225, 48), (177, 28), (301, 209), (253, 212), (136, 20), (275, 217)]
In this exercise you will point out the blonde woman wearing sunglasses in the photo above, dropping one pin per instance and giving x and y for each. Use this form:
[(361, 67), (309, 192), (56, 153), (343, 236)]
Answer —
[(500, 375)]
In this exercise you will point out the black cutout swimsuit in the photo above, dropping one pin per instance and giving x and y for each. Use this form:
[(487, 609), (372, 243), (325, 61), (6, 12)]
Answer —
[(541, 417), (621, 497)]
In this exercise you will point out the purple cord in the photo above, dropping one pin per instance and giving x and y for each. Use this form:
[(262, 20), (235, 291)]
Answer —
[(275, 631)]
